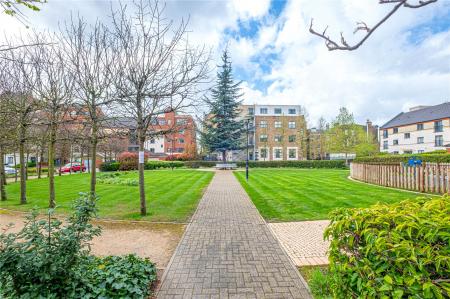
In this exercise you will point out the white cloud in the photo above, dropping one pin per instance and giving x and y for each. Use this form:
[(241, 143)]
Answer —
[(386, 75)]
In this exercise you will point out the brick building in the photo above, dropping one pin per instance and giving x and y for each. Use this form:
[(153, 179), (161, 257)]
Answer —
[(179, 137), (278, 132)]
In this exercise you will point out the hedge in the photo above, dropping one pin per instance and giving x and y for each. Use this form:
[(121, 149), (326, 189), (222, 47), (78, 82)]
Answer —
[(431, 157), (296, 164), (149, 165), (391, 251), (109, 166), (163, 164), (274, 164)]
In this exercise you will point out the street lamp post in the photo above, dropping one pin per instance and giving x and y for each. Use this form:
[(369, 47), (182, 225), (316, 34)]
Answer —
[(246, 158)]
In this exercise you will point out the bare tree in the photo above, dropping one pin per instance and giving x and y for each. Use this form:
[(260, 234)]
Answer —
[(53, 87), (158, 70), (362, 26), (92, 58), (22, 107)]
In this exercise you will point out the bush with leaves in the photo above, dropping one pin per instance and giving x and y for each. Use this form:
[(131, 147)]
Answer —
[(434, 157), (50, 259), (42, 259), (400, 250), (109, 166)]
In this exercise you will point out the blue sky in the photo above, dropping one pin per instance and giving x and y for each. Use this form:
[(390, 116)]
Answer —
[(404, 63)]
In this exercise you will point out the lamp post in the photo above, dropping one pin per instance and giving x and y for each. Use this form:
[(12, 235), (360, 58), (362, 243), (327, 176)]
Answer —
[(246, 158)]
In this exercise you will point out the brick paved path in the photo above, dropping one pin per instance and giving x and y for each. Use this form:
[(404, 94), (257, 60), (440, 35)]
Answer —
[(303, 241), (229, 252)]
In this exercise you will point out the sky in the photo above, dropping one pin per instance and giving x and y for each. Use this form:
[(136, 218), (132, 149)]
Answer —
[(405, 63)]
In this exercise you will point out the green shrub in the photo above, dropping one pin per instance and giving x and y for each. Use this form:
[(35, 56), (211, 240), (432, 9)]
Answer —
[(109, 166), (274, 164), (150, 165), (400, 250), (320, 284), (42, 260), (296, 164), (119, 277), (29, 164), (425, 157), (198, 164), (50, 259)]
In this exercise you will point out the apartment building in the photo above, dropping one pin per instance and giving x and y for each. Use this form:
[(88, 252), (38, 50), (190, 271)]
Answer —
[(170, 134), (277, 132), (179, 139), (421, 129)]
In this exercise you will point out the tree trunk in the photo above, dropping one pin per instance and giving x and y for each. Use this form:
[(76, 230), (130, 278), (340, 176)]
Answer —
[(3, 167), (51, 166), (224, 156), (23, 174), (81, 158), (94, 155), (15, 164), (141, 139), (2, 176), (38, 164)]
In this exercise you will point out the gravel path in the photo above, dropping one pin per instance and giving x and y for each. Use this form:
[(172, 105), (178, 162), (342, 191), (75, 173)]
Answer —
[(155, 241)]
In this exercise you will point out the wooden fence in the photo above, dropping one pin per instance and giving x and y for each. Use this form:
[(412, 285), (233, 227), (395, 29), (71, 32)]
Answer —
[(429, 177)]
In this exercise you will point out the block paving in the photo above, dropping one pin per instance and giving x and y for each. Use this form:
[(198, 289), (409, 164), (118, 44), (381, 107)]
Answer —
[(228, 251), (303, 241)]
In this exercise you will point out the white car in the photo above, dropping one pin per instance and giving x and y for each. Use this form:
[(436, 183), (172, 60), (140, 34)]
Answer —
[(9, 170)]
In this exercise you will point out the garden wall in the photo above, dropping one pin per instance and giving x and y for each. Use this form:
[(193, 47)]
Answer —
[(429, 177)]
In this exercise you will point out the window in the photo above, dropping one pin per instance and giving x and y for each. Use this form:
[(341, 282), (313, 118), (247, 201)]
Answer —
[(263, 138), (292, 111), (385, 145), (152, 150), (419, 127), (152, 141), (263, 124), (277, 124), (420, 151), (395, 130), (278, 154), (263, 153), (181, 132), (291, 138), (395, 152), (419, 139), (180, 140), (263, 110), (292, 153), (407, 151), (438, 127), (385, 134), (180, 149), (438, 140), (278, 138), (395, 142), (251, 111), (10, 160), (277, 110), (181, 121), (407, 135), (161, 121), (291, 125)]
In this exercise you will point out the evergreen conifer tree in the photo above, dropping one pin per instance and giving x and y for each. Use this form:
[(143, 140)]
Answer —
[(222, 129)]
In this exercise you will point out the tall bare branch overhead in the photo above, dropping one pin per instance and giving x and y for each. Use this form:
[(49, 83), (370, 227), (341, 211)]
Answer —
[(332, 44)]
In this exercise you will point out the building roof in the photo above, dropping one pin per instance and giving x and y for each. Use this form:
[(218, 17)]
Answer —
[(421, 115)]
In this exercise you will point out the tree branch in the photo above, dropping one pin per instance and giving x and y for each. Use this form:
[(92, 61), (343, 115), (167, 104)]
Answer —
[(362, 26)]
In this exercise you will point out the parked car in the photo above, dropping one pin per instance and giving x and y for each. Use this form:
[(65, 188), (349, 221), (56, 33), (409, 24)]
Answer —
[(9, 170), (73, 167)]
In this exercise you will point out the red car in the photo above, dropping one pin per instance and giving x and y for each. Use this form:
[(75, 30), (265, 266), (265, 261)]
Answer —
[(73, 167)]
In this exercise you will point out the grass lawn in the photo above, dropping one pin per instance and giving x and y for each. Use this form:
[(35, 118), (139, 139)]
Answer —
[(310, 194), (172, 195)]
